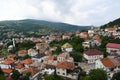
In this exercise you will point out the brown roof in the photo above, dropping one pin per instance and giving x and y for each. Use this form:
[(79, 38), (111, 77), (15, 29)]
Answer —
[(92, 52), (22, 52), (8, 61), (50, 58), (8, 71), (63, 54), (107, 62), (27, 61), (33, 71), (66, 65), (19, 66)]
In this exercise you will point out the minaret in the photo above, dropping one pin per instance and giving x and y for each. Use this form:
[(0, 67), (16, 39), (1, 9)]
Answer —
[(13, 42)]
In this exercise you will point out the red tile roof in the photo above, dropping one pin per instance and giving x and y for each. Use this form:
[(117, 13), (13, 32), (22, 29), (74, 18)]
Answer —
[(63, 54), (107, 62), (8, 71), (8, 61), (22, 52), (19, 66), (27, 61), (92, 52), (66, 65), (31, 70), (113, 45)]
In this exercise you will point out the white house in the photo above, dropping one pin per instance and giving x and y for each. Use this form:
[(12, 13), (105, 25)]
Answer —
[(108, 64), (113, 49), (32, 52), (90, 33), (64, 57), (66, 69), (92, 55), (67, 47)]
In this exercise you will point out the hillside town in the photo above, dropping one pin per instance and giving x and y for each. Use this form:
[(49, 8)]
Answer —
[(67, 56)]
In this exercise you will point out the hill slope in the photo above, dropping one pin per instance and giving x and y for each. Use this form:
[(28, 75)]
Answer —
[(111, 24), (30, 27), (30, 24)]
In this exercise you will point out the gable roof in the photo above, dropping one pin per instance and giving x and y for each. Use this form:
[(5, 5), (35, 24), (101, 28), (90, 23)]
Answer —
[(22, 52), (8, 71), (66, 65), (107, 62), (63, 54), (8, 61), (92, 52), (67, 45), (113, 45), (27, 61), (33, 71)]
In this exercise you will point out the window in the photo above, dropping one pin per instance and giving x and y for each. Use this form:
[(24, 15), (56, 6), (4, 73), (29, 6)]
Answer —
[(63, 73)]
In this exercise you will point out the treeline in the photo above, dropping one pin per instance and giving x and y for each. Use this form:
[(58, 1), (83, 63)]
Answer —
[(111, 24)]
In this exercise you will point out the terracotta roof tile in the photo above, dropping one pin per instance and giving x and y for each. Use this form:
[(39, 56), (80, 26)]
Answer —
[(8, 61), (66, 65), (63, 54), (27, 61), (33, 71), (22, 52), (8, 71), (107, 62), (19, 66)]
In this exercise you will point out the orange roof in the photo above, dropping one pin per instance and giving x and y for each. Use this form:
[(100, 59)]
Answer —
[(107, 62), (8, 61), (8, 71), (19, 66), (22, 52), (63, 54), (27, 61), (33, 71), (66, 65)]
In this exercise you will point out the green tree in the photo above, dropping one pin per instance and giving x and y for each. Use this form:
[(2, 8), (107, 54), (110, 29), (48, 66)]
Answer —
[(77, 56), (2, 77), (116, 76), (15, 75), (53, 77), (98, 74)]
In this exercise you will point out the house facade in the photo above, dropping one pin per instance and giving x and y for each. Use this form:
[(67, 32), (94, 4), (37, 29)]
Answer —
[(92, 55), (113, 49)]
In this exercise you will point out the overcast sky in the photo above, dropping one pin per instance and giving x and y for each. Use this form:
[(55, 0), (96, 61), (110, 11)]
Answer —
[(79, 12)]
